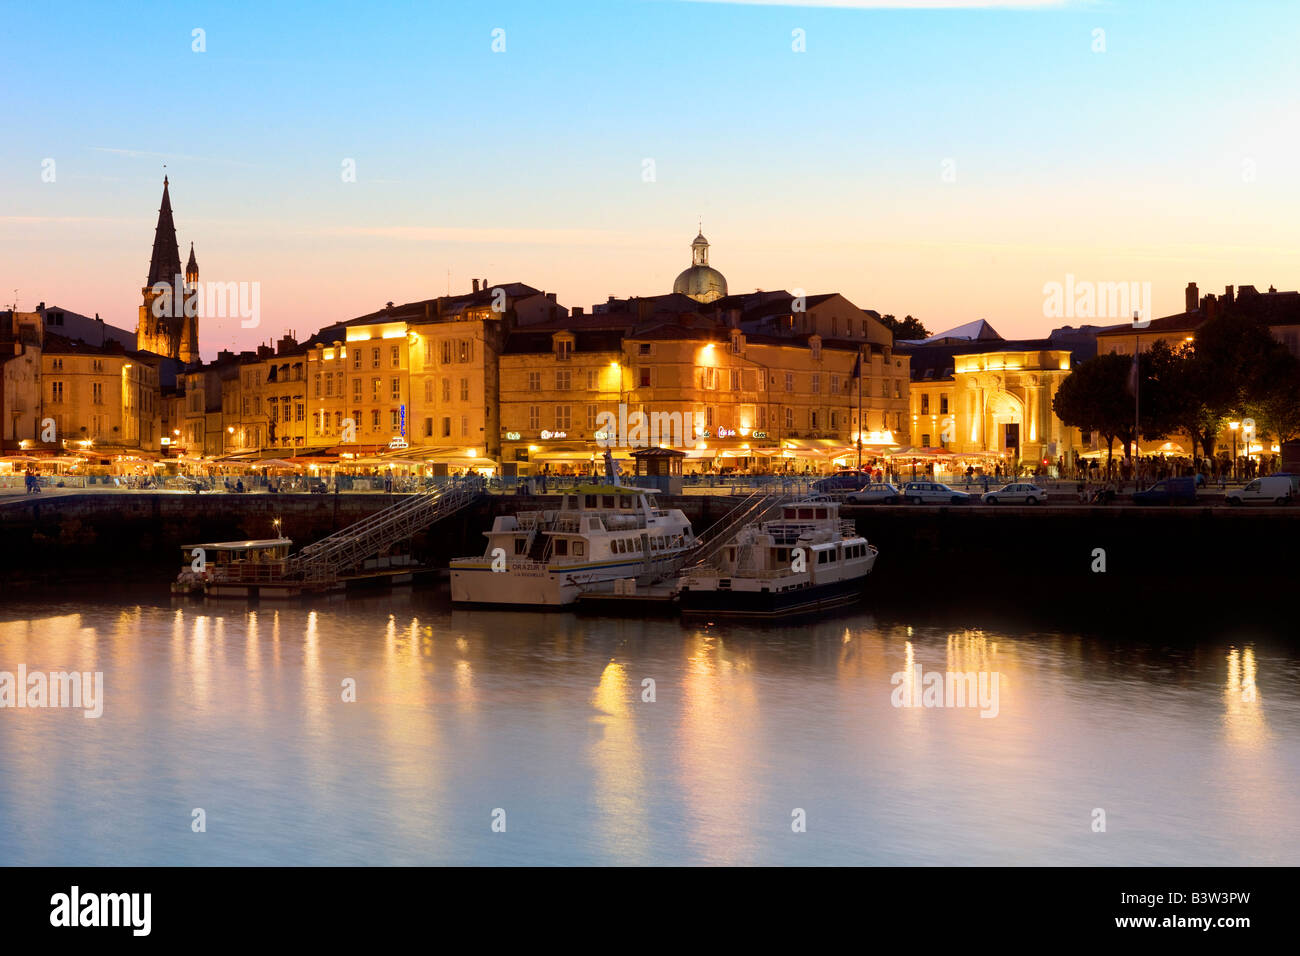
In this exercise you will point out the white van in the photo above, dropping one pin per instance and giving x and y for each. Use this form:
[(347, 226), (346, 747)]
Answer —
[(1273, 490)]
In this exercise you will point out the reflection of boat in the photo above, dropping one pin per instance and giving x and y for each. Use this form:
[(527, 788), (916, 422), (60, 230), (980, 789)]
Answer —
[(805, 561), (245, 569), (600, 535)]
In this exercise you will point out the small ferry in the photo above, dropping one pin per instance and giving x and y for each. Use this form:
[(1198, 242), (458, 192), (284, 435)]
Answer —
[(259, 569), (601, 535), (806, 561)]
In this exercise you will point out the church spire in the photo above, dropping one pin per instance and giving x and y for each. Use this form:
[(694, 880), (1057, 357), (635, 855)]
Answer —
[(165, 264), (192, 268)]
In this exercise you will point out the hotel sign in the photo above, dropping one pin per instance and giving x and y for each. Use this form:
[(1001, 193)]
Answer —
[(398, 443)]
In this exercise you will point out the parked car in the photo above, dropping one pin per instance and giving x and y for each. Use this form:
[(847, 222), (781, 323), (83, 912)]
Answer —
[(1272, 489), (931, 493), (876, 493), (1016, 493), (842, 482), (1168, 491)]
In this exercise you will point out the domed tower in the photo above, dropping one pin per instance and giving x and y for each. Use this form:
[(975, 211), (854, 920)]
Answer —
[(701, 282)]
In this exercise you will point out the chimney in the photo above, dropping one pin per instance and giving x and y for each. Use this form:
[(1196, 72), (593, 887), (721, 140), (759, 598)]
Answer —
[(476, 285), (576, 311), (1227, 295), (1193, 297), (1211, 307)]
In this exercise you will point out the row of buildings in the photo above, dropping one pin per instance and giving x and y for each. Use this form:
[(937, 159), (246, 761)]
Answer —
[(504, 377)]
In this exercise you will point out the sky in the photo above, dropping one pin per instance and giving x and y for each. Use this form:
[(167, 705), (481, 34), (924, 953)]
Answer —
[(945, 162)]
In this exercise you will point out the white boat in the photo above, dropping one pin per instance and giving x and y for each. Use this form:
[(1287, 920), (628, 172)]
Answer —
[(600, 535), (806, 561)]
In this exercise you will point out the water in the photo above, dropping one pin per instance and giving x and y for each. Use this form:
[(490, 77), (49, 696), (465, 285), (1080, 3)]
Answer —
[(1191, 750)]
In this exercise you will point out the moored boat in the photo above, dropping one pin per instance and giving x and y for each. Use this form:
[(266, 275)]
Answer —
[(806, 561), (601, 534)]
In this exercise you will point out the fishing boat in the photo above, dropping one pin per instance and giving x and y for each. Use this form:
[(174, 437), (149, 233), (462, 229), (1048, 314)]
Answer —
[(806, 561), (601, 536)]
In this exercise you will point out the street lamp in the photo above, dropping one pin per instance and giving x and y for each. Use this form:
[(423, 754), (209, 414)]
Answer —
[(1234, 426)]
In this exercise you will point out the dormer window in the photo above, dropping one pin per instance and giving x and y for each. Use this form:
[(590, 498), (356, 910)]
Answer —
[(563, 344), (815, 343), (737, 342)]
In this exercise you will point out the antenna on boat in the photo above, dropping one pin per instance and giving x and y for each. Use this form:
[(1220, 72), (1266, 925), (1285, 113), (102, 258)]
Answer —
[(611, 470)]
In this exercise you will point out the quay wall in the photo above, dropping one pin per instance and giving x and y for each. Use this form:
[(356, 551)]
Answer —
[(924, 550)]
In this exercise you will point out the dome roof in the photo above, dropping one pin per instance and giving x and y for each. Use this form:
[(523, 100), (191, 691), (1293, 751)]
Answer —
[(702, 283)]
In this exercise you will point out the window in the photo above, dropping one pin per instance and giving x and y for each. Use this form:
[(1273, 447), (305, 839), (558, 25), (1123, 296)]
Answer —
[(593, 380), (394, 419), (812, 419), (428, 428), (591, 418), (643, 377), (446, 351), (534, 417), (97, 392), (925, 404), (397, 388), (428, 391), (708, 377), (58, 365), (464, 426), (329, 386), (816, 382), (563, 349), (374, 389), (943, 404), (835, 384), (446, 427), (789, 381), (356, 390), (374, 420), (789, 418), (835, 420), (534, 381), (643, 348), (465, 350), (374, 358), (562, 419), (446, 390), (735, 379), (56, 391), (464, 390), (356, 358), (395, 356), (316, 385), (897, 390), (563, 379), (925, 440), (300, 411)]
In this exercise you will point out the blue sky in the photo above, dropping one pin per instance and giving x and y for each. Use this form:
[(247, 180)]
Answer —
[(1166, 158)]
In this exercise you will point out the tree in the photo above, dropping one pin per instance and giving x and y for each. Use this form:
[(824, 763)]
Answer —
[(1095, 397), (905, 328), (1276, 409)]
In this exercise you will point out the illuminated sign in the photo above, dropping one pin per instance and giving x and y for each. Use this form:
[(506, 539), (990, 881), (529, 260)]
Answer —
[(512, 436), (726, 432), (548, 435), (398, 443), (760, 434), (403, 428), (600, 435)]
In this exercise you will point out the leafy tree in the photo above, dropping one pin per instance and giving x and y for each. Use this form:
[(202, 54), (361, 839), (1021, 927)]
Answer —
[(1095, 396), (905, 328)]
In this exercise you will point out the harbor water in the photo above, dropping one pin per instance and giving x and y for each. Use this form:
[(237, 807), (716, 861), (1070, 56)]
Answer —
[(395, 729)]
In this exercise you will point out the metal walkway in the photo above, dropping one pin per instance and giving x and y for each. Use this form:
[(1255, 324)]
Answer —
[(756, 507), (345, 550)]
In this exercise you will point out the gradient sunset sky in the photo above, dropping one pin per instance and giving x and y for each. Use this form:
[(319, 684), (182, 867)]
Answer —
[(1170, 157)]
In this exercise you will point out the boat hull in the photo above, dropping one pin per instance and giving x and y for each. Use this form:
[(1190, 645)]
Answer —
[(535, 587), (726, 604)]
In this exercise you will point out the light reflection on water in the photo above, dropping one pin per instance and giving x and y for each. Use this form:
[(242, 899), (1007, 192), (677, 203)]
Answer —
[(1191, 751)]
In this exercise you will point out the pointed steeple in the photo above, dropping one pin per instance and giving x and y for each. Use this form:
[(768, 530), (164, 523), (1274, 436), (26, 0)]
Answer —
[(192, 268), (165, 265)]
